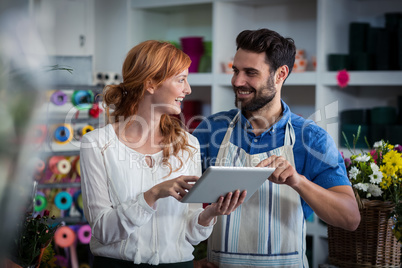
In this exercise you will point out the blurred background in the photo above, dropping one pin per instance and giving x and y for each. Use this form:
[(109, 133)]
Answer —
[(56, 56)]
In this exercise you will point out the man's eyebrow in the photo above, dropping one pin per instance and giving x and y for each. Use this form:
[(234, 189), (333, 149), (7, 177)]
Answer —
[(247, 69)]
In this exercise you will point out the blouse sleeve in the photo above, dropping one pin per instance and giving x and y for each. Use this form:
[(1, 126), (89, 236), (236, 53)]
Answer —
[(195, 233), (110, 223)]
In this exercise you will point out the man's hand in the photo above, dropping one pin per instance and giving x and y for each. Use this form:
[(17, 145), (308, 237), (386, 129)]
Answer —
[(284, 172)]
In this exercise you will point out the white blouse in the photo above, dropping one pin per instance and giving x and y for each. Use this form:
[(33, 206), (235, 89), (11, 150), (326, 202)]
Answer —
[(114, 178)]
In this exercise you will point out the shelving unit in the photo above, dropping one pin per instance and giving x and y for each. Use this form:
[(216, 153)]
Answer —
[(320, 27)]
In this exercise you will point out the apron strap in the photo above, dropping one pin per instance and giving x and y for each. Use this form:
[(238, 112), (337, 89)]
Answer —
[(290, 136), (228, 134)]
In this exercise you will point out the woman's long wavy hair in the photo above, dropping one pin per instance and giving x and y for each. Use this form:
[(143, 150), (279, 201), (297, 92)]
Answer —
[(149, 61)]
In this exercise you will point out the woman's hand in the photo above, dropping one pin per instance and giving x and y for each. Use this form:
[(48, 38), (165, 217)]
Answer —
[(177, 188), (224, 206)]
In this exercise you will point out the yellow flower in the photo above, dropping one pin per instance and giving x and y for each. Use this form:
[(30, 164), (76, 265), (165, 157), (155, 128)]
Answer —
[(393, 161), (390, 146)]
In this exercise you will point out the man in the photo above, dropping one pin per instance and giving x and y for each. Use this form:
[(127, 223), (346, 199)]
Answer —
[(269, 229)]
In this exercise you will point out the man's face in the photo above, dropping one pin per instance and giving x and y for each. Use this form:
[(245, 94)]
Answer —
[(252, 83)]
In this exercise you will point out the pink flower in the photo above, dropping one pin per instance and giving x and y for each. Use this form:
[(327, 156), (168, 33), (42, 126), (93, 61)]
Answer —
[(374, 154), (347, 162), (343, 78)]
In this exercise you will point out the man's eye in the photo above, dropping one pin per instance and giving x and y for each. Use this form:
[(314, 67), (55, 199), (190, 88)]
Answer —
[(251, 73)]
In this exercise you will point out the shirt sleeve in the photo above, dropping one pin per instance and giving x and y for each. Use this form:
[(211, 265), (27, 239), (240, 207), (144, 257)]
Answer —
[(110, 223), (195, 232), (324, 163)]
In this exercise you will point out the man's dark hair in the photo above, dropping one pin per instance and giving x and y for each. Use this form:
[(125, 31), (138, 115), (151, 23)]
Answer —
[(278, 49)]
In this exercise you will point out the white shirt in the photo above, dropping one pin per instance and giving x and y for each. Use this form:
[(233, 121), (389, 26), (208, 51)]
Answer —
[(114, 178)]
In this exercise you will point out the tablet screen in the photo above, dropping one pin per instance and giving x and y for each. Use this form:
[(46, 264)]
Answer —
[(217, 181)]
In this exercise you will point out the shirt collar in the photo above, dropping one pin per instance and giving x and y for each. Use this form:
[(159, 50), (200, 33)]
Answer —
[(245, 124)]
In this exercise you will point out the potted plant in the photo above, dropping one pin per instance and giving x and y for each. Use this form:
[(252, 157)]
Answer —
[(376, 177), (34, 237)]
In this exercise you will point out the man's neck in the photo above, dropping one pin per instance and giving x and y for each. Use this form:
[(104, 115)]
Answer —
[(264, 118)]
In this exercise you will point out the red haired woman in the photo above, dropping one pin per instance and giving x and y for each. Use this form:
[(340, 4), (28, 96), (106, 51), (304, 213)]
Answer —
[(136, 169)]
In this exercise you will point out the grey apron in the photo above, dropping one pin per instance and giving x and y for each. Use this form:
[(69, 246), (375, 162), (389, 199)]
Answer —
[(268, 230)]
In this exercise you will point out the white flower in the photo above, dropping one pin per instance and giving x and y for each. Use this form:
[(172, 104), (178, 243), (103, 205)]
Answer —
[(376, 177), (361, 186), (353, 172), (378, 144), (362, 158), (374, 190), (374, 167)]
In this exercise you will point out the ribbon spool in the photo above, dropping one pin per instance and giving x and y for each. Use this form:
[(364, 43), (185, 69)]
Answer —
[(58, 98), (84, 234), (40, 203), (39, 134), (59, 165), (64, 237), (63, 200), (82, 99), (77, 197), (39, 165), (86, 129), (63, 134), (76, 165)]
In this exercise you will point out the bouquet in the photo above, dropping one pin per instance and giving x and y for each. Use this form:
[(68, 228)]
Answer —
[(377, 175), (35, 235)]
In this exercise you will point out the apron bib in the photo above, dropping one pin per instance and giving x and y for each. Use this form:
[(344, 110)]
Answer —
[(269, 229)]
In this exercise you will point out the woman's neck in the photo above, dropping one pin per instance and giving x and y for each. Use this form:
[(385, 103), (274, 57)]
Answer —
[(141, 133)]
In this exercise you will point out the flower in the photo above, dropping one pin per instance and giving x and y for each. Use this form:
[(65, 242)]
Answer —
[(377, 175), (35, 234), (343, 78)]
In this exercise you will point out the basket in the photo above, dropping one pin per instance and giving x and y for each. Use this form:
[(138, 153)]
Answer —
[(372, 244)]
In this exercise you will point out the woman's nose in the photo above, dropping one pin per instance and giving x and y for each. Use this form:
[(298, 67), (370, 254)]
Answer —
[(187, 89)]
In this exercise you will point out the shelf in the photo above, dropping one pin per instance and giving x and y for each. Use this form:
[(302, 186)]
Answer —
[(71, 220), (157, 4), (366, 78), (59, 185), (295, 79), (60, 152), (200, 79)]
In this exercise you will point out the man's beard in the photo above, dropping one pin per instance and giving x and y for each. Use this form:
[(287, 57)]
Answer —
[(263, 96)]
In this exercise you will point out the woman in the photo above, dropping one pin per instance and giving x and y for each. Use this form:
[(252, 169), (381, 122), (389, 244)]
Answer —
[(136, 169)]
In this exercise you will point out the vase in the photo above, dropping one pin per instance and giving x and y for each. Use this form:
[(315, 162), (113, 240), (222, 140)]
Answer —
[(372, 244)]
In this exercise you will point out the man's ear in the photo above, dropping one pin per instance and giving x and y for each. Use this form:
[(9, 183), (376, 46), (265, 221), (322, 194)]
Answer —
[(281, 74), (150, 87)]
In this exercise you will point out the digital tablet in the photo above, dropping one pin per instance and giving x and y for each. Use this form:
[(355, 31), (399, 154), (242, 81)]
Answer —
[(218, 181)]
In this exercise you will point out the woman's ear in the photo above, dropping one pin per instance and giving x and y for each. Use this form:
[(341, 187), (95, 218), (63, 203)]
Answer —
[(150, 87), (281, 74)]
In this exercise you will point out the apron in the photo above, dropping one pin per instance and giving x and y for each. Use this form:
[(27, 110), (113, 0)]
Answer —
[(269, 229)]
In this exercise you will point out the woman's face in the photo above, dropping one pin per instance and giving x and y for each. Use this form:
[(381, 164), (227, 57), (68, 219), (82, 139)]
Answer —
[(168, 97)]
